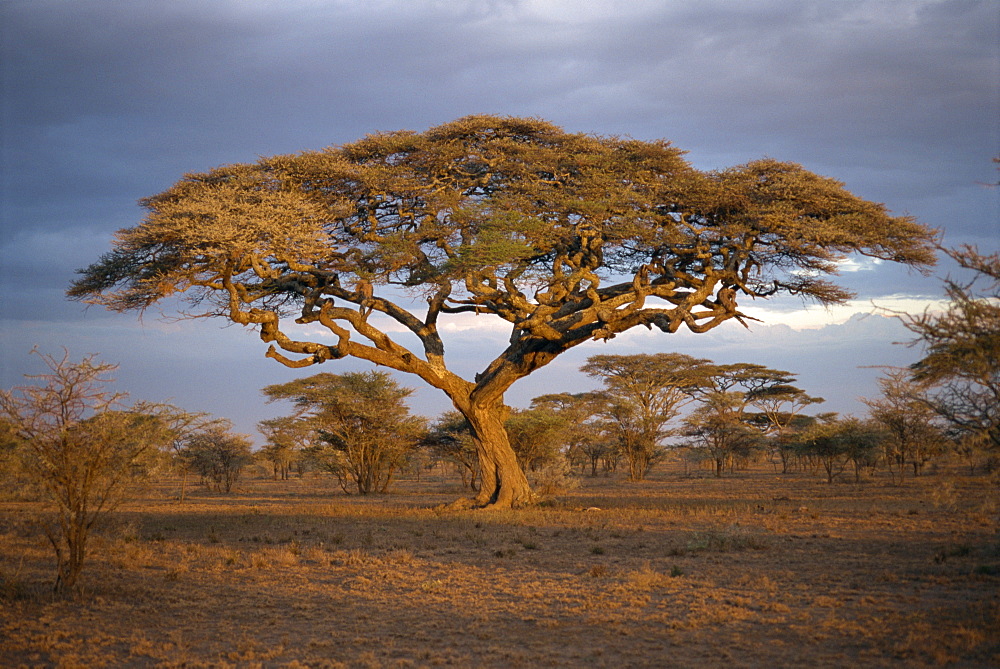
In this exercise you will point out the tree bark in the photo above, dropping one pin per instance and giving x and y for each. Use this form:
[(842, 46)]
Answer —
[(503, 484)]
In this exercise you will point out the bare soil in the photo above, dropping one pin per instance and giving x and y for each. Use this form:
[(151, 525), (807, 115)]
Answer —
[(755, 569)]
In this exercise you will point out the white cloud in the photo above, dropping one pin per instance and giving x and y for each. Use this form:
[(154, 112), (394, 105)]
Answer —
[(815, 316), (858, 264), (805, 317)]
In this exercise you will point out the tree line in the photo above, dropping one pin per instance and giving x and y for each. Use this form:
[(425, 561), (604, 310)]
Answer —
[(356, 427)]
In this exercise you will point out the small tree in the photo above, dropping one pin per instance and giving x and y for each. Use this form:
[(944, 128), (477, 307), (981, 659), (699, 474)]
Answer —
[(585, 439), (716, 429), (363, 420), (865, 445), (912, 426), (836, 442), (962, 350), (287, 438), (537, 436), (219, 455), (780, 404), (825, 443), (450, 438), (722, 427), (783, 443), (78, 448), (179, 427), (643, 393)]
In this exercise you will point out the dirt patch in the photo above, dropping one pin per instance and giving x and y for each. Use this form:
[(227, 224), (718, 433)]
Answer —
[(757, 569)]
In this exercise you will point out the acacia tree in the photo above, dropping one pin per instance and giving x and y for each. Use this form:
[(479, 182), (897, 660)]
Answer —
[(643, 393), (825, 442), (537, 436), (567, 237), (362, 418), (962, 350), (179, 428), (218, 454), (914, 432), (779, 404), (721, 426), (584, 436), (80, 447), (716, 428), (287, 437), (834, 442)]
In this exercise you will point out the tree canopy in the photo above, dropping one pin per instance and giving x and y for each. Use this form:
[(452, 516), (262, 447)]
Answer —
[(643, 393), (363, 419), (568, 237)]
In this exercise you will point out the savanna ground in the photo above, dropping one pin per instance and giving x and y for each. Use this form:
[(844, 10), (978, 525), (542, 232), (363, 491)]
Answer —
[(755, 569)]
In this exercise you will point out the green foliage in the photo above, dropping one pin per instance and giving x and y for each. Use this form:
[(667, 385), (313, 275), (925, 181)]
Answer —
[(537, 436), (218, 455), (361, 419)]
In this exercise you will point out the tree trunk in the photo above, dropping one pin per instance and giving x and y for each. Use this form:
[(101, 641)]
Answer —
[(68, 537), (502, 481)]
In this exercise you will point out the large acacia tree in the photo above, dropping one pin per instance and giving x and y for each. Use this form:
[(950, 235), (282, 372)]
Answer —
[(567, 237)]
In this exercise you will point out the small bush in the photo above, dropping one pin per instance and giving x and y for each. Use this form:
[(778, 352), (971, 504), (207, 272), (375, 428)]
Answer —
[(13, 587), (555, 478), (730, 539), (950, 552)]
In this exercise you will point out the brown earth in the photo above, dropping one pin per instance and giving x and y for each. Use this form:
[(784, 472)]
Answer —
[(756, 569)]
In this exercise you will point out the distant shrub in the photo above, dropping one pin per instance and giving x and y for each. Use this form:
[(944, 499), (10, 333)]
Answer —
[(730, 539)]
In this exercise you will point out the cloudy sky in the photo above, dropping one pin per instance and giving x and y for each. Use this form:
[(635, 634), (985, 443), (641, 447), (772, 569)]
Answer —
[(108, 101)]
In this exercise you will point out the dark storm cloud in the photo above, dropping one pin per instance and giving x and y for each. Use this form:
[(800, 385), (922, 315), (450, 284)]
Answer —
[(105, 102), (122, 97)]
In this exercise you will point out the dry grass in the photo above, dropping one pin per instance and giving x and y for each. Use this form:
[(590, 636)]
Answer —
[(757, 569)]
